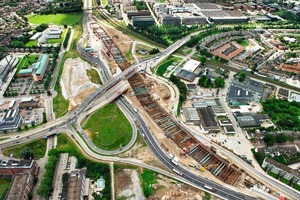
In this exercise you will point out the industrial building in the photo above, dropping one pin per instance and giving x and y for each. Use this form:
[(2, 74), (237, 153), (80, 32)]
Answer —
[(247, 120), (189, 71), (53, 32), (10, 120), (37, 70), (239, 96), (208, 122), (131, 14), (191, 116), (6, 65), (142, 21)]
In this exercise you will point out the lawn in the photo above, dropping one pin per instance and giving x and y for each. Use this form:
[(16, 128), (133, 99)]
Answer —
[(26, 61), (4, 186), (94, 76), (162, 68), (60, 104), (31, 43), (58, 40), (109, 128), (243, 43), (58, 19), (38, 147), (272, 174), (148, 179)]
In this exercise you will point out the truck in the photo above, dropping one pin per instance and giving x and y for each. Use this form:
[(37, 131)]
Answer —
[(174, 160), (209, 188), (177, 172)]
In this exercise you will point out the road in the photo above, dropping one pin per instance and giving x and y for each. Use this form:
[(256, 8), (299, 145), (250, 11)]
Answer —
[(109, 86)]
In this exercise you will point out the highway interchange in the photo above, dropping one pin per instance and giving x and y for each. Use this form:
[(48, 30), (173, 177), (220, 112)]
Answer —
[(109, 86)]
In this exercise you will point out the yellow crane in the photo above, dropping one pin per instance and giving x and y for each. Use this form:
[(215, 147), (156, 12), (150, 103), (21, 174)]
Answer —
[(207, 167)]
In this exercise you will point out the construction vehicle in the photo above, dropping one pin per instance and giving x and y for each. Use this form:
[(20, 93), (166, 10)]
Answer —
[(202, 169)]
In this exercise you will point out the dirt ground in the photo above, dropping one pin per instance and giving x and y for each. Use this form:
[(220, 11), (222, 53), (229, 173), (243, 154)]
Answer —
[(159, 91), (75, 84), (128, 186)]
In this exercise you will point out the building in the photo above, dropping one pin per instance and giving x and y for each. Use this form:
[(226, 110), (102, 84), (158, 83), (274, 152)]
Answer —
[(229, 130), (228, 51), (189, 71), (10, 120), (28, 102), (6, 65), (208, 121), (37, 70), (20, 187), (247, 120), (71, 182), (74, 185), (192, 20), (11, 167), (145, 13), (191, 116), (36, 36), (292, 68), (239, 96), (169, 19), (225, 122), (142, 21), (282, 170)]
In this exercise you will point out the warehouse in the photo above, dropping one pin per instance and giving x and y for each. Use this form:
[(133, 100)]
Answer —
[(142, 21), (10, 120), (208, 122), (169, 19), (191, 116)]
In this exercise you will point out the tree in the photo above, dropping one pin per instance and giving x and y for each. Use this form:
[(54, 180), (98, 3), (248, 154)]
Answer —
[(203, 60), (281, 138), (220, 83), (154, 51), (41, 27), (291, 138), (269, 139), (27, 153), (242, 76)]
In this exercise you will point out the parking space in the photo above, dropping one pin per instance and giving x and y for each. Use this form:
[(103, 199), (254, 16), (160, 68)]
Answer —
[(34, 116), (24, 86)]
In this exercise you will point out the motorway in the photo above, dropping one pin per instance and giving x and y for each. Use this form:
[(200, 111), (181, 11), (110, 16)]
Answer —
[(109, 86)]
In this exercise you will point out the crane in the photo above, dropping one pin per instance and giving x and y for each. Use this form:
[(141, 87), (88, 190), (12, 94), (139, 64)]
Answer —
[(207, 167)]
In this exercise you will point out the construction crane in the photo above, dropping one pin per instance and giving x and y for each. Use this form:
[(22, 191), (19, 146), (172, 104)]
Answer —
[(202, 169)]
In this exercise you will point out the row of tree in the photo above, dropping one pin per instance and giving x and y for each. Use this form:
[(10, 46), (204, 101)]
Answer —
[(62, 6), (206, 82), (66, 41), (182, 89), (271, 139), (284, 113)]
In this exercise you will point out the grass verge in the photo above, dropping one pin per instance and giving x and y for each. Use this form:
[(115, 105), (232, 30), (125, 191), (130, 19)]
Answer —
[(162, 68), (4, 186), (60, 104), (38, 147), (94, 76), (109, 128), (32, 43)]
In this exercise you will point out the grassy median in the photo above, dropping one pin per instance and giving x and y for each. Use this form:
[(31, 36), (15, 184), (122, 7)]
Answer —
[(108, 128)]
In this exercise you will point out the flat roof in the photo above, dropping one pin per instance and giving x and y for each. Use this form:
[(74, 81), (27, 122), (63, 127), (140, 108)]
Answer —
[(208, 118), (16, 163), (236, 92), (191, 114), (186, 75), (229, 129), (18, 186), (43, 64), (191, 65)]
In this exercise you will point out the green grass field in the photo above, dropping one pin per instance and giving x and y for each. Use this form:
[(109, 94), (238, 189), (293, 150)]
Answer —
[(109, 128), (26, 61), (31, 43), (38, 147), (162, 68), (58, 19), (4, 186), (148, 179), (94, 76)]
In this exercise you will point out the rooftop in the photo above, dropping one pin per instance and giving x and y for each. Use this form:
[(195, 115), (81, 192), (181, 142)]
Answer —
[(191, 65), (16, 163), (282, 166), (208, 118)]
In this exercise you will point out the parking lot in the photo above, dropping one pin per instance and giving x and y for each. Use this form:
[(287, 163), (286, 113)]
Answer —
[(32, 116), (24, 86)]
